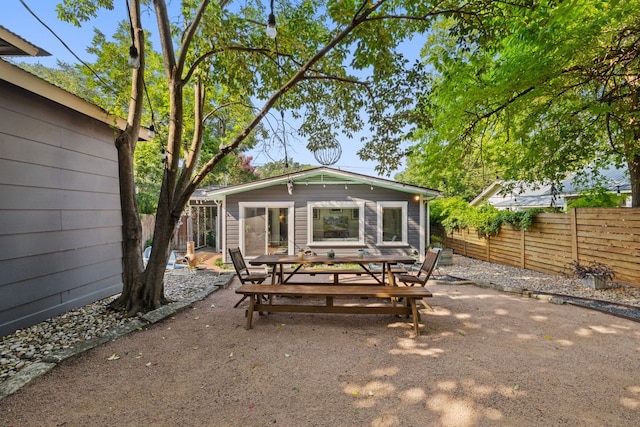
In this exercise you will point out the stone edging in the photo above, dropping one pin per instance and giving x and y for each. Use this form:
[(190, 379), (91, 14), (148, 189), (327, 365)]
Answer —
[(34, 370)]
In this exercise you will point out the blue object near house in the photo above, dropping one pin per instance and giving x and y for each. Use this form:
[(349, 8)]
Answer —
[(171, 264)]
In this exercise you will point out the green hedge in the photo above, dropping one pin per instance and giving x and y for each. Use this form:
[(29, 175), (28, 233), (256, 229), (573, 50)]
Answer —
[(455, 213)]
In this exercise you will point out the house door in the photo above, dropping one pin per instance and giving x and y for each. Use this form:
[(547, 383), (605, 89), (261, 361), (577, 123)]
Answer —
[(266, 230)]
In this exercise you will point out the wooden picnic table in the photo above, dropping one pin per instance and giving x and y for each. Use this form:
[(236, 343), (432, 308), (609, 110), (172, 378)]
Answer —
[(278, 261), (330, 292)]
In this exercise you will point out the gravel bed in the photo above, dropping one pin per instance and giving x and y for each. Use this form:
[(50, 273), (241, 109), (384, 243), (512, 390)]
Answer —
[(33, 344), (517, 278)]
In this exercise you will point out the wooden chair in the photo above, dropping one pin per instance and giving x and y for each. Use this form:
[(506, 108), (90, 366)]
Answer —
[(421, 278), (244, 275)]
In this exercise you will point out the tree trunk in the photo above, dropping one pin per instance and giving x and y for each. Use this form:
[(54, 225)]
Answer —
[(132, 265)]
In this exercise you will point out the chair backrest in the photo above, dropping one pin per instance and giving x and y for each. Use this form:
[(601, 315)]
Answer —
[(238, 262), (429, 263)]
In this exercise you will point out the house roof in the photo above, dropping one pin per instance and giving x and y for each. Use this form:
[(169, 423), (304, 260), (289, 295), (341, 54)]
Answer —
[(535, 195), (13, 45), (324, 176)]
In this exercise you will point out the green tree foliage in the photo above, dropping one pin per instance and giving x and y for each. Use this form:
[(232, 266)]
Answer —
[(597, 200), (280, 167), (67, 76), (222, 76), (536, 92)]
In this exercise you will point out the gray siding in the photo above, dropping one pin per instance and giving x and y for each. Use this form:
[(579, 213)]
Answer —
[(60, 222), (302, 194)]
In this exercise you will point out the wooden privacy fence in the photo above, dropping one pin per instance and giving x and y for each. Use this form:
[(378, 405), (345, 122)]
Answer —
[(179, 240), (609, 235)]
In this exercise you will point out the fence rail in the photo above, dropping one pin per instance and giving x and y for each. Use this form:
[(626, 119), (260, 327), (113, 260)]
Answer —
[(608, 235)]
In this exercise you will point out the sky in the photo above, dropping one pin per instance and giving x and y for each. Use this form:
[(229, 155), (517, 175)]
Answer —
[(16, 18)]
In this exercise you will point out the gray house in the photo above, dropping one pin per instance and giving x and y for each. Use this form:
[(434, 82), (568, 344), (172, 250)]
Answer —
[(322, 209), (60, 219)]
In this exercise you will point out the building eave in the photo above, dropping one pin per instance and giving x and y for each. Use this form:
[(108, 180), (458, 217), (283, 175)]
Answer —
[(14, 45), (325, 176), (31, 83)]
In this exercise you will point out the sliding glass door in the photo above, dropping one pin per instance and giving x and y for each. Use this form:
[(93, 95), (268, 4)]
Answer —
[(266, 229)]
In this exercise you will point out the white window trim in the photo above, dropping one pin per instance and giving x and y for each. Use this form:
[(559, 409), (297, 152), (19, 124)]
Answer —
[(267, 205), (334, 204), (379, 207)]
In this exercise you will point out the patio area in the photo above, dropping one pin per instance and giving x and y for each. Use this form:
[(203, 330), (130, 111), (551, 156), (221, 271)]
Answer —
[(484, 358)]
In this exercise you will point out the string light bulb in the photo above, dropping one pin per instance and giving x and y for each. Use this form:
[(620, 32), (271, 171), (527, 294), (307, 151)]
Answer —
[(134, 58), (290, 187), (271, 24), (152, 131), (271, 27)]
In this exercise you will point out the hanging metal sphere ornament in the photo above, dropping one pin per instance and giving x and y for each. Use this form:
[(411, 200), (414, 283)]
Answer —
[(329, 153)]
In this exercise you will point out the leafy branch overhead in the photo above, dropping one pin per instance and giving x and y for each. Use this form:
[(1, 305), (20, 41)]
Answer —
[(535, 94), (217, 77)]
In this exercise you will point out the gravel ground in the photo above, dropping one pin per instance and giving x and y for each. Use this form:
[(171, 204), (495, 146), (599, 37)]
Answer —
[(30, 345), (484, 272), (33, 344)]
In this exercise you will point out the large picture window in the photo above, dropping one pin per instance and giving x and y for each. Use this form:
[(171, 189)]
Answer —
[(336, 223), (392, 223)]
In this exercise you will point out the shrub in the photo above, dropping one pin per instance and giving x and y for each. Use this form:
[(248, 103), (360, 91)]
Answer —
[(454, 213), (592, 269), (597, 200)]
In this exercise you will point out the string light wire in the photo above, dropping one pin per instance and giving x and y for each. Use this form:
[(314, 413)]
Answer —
[(84, 64), (68, 48)]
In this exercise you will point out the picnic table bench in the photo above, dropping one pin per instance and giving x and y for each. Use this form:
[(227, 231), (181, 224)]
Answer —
[(329, 292)]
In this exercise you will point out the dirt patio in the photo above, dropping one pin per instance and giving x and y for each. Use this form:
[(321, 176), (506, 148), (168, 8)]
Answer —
[(484, 358)]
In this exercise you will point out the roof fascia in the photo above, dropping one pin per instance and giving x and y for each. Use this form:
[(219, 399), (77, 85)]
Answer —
[(348, 178), (21, 44), (491, 190), (29, 82)]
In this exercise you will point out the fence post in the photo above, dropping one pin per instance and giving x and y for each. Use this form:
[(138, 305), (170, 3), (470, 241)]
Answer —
[(464, 242), (523, 249), (488, 248), (574, 233)]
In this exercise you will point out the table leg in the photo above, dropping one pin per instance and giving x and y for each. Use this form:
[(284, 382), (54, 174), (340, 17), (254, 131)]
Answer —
[(416, 318), (274, 273), (391, 277), (252, 305), (384, 268), (282, 279), (372, 273)]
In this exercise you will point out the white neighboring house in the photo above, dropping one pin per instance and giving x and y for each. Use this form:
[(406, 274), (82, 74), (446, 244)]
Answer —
[(527, 196)]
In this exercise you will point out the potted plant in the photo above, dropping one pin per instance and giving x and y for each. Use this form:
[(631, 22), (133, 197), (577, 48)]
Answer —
[(446, 254), (436, 241), (594, 275)]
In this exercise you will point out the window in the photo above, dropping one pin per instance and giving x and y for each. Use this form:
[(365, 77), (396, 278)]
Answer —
[(392, 223), (336, 223)]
